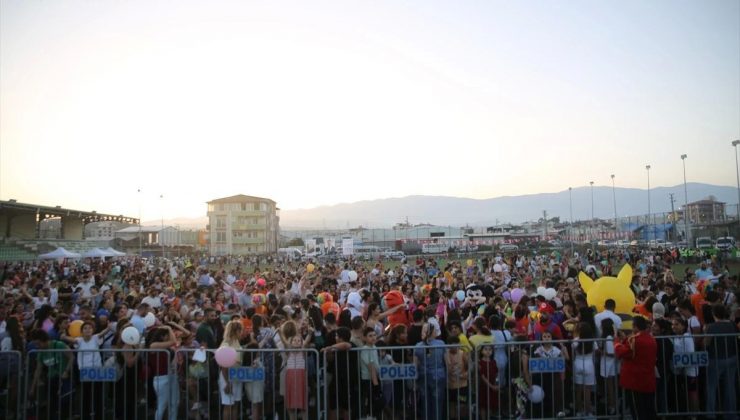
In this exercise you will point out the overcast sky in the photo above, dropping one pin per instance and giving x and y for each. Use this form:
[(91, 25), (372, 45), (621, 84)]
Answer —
[(313, 103)]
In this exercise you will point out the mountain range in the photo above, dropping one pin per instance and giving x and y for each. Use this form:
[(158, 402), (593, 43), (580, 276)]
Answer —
[(457, 211)]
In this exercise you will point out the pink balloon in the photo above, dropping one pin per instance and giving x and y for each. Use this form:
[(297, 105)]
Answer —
[(516, 295), (226, 357)]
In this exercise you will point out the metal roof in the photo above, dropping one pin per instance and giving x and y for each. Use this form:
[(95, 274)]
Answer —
[(59, 211), (238, 199)]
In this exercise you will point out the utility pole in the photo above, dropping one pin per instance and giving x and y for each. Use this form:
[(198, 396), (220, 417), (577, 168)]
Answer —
[(544, 223), (673, 215)]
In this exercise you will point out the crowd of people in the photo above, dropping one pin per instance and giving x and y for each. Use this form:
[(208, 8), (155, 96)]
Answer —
[(470, 326)]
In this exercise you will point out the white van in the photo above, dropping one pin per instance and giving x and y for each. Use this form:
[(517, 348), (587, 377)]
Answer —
[(290, 253), (434, 248)]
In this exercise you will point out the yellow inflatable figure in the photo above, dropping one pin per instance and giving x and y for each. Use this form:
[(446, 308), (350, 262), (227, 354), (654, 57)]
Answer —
[(617, 288)]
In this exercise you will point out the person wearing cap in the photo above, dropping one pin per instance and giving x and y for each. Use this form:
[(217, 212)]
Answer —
[(546, 324)]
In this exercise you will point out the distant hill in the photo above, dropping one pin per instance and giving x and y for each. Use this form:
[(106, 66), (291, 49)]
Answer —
[(512, 209), (456, 211)]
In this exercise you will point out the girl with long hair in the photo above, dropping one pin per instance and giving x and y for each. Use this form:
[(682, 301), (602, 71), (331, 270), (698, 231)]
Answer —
[(231, 393)]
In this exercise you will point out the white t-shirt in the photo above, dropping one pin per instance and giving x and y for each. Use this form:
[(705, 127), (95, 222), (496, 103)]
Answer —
[(693, 323), (39, 302), (6, 344), (604, 315), (153, 302), (88, 359), (53, 296), (85, 286)]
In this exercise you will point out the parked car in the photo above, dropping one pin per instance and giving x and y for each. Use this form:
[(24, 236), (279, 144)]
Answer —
[(508, 248), (704, 242), (726, 243), (394, 255)]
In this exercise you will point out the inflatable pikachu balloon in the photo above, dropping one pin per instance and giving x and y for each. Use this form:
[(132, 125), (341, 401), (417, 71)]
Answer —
[(617, 288)]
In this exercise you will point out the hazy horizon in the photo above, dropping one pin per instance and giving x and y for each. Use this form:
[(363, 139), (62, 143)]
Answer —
[(321, 103)]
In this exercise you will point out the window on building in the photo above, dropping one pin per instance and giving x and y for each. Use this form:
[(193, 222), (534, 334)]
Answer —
[(221, 222), (220, 236)]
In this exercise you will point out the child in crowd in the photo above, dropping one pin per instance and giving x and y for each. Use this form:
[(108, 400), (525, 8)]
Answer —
[(370, 391), (296, 384), (608, 367), (487, 382), (456, 361), (551, 383), (584, 372)]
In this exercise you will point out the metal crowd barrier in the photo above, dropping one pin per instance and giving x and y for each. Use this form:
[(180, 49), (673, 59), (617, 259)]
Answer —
[(11, 385), (430, 382), (267, 383), (701, 376), (99, 384), (412, 382), (553, 379)]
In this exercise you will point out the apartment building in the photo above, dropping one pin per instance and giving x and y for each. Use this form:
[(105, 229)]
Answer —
[(243, 224)]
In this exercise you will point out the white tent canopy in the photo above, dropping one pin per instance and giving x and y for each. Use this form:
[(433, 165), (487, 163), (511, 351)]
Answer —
[(96, 253), (114, 253), (58, 254)]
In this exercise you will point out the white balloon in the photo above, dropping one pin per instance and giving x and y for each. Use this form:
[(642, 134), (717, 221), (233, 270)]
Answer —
[(541, 291), (130, 335), (550, 293), (149, 319), (536, 394), (353, 275)]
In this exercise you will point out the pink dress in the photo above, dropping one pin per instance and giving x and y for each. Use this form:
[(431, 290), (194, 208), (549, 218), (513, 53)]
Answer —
[(295, 382)]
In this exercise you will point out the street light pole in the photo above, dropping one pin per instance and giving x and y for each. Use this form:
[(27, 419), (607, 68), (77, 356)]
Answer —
[(737, 172), (614, 199), (686, 204), (570, 198), (161, 232), (138, 191), (649, 215), (593, 246)]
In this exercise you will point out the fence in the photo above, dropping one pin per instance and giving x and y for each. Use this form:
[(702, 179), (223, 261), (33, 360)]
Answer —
[(696, 376)]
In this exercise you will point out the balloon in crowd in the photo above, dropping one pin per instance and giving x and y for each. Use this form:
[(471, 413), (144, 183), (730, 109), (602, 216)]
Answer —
[(226, 357), (536, 394), (516, 295), (130, 335), (75, 328), (149, 319)]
